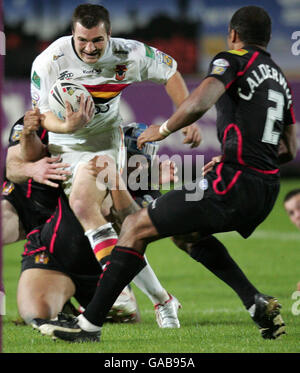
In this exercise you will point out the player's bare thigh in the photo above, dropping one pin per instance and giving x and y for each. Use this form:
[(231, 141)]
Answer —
[(42, 293), (137, 229), (12, 229), (86, 199)]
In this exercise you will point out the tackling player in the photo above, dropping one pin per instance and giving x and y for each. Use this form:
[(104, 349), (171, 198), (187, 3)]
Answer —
[(254, 110), (30, 190), (105, 66)]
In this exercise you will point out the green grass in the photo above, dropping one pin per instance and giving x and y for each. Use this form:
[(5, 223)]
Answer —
[(213, 319)]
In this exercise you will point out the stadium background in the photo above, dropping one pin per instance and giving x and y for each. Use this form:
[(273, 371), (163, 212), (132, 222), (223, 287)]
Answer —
[(192, 31)]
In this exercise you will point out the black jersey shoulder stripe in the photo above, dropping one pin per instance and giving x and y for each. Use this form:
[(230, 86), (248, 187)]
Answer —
[(241, 73)]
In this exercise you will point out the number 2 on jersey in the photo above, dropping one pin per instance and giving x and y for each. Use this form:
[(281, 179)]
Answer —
[(274, 113)]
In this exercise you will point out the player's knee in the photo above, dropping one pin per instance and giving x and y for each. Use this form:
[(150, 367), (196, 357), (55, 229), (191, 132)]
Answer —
[(38, 308), (137, 228), (10, 223)]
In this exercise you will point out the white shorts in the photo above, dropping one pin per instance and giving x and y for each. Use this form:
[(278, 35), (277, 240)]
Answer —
[(110, 143)]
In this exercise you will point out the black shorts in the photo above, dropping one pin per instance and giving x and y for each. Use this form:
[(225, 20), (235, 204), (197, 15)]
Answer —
[(234, 199), (30, 213), (36, 255)]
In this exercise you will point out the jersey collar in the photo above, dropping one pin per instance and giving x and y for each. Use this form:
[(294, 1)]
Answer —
[(255, 48)]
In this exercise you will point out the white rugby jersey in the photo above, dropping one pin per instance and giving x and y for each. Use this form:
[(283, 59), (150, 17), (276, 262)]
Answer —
[(123, 63)]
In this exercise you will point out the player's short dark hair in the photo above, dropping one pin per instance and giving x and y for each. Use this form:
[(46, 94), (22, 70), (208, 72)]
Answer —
[(90, 15), (291, 194), (253, 25)]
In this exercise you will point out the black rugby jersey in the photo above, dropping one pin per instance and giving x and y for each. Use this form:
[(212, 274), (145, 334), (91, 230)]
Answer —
[(254, 109), (42, 195)]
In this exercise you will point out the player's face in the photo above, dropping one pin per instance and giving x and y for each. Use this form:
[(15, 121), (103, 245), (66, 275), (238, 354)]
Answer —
[(292, 207), (90, 44)]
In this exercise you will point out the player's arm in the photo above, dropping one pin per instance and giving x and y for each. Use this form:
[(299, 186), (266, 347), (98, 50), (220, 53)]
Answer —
[(44, 171), (193, 108), (288, 144), (178, 92), (31, 146), (73, 121)]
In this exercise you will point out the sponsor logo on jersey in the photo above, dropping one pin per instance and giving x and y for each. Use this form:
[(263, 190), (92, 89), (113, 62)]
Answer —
[(57, 56), (17, 132), (147, 199), (42, 258), (35, 99), (120, 51), (239, 52), (218, 70), (7, 188), (101, 108), (203, 184), (65, 75), (220, 66), (149, 52), (120, 72), (164, 58), (92, 71), (36, 80)]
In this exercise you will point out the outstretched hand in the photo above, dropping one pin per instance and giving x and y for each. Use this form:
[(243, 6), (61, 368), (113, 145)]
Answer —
[(151, 134)]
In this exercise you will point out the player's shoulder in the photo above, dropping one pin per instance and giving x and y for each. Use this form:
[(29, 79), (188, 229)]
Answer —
[(54, 51), (236, 55), (237, 59), (129, 48)]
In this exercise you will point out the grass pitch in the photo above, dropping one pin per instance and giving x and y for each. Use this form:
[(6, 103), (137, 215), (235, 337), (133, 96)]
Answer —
[(213, 319)]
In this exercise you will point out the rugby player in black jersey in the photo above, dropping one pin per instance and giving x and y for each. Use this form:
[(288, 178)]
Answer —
[(30, 189), (254, 112), (52, 272)]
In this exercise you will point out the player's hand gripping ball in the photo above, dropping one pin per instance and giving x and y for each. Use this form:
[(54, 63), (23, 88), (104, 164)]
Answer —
[(66, 90)]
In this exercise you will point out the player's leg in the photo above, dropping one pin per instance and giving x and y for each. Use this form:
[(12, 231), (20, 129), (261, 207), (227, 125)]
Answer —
[(12, 229), (85, 200), (42, 293)]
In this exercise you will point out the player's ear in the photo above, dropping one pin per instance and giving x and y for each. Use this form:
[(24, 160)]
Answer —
[(232, 35)]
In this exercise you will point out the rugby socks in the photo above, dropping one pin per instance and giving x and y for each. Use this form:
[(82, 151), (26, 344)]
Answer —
[(102, 240), (149, 284), (123, 265), (214, 256)]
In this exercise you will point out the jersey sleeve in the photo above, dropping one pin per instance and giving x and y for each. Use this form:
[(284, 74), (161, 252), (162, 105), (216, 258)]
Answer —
[(155, 65), (42, 78), (15, 133), (224, 67)]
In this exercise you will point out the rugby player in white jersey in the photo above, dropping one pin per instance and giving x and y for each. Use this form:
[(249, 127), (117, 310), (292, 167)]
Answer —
[(105, 66)]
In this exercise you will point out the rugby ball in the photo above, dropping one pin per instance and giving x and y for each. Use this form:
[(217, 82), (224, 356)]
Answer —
[(66, 90)]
